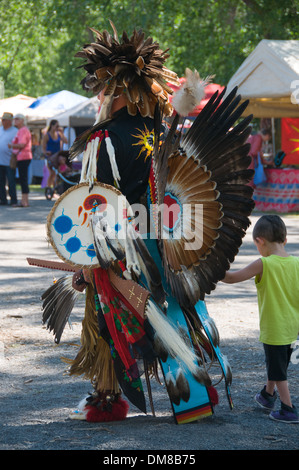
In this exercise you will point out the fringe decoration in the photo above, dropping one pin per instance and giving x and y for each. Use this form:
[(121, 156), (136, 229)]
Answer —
[(111, 153), (94, 358), (112, 310), (89, 163)]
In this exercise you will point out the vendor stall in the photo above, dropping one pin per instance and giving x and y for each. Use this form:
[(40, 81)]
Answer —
[(280, 193), (269, 78), (16, 104), (48, 106)]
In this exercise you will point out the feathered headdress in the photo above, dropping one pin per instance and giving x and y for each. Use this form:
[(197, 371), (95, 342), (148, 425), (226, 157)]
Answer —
[(132, 65)]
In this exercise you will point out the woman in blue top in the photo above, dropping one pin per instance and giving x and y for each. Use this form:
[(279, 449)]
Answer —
[(51, 143)]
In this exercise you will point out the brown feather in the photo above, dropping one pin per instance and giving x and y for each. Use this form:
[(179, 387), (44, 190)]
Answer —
[(182, 386)]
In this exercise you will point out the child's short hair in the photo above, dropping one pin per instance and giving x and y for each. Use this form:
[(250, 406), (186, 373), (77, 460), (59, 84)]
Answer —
[(270, 227)]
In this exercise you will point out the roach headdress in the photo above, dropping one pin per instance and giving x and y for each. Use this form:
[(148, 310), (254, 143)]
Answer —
[(134, 66)]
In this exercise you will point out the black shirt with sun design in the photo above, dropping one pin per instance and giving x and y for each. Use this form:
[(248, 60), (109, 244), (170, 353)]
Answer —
[(132, 139)]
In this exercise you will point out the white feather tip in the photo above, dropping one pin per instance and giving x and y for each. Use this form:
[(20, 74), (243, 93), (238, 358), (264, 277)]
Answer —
[(190, 93)]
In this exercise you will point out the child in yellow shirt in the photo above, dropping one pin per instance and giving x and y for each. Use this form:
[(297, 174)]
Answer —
[(277, 278)]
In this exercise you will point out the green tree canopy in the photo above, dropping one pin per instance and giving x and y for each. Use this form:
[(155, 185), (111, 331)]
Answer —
[(39, 39)]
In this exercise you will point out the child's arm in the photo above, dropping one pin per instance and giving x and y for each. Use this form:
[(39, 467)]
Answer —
[(252, 270)]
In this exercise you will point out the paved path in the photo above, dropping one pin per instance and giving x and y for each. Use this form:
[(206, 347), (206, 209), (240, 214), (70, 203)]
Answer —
[(36, 396)]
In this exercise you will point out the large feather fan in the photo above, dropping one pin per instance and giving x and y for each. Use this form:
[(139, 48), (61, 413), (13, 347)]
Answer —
[(202, 184)]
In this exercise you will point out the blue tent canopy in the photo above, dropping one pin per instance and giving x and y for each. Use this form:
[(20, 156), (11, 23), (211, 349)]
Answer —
[(54, 103), (41, 100)]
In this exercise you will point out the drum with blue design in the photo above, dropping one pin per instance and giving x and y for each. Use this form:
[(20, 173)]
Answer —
[(69, 222)]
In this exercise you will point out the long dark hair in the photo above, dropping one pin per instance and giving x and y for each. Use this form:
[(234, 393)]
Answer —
[(52, 124)]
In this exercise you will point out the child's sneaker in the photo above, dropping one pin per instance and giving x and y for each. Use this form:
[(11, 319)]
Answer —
[(265, 400), (286, 414)]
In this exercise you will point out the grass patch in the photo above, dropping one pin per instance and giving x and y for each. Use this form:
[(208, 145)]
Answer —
[(36, 187)]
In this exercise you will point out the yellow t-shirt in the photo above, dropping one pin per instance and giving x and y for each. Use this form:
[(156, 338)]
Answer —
[(278, 300)]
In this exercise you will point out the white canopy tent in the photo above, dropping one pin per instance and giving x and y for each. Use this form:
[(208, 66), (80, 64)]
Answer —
[(15, 104), (81, 115), (49, 106), (269, 78)]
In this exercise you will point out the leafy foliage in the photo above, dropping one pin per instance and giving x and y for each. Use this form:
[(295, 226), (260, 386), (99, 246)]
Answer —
[(39, 39)]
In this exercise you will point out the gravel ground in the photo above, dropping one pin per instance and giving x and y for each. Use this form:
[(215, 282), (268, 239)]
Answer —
[(37, 396)]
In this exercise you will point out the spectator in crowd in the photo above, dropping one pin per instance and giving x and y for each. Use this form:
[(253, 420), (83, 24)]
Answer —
[(256, 143), (52, 142), (7, 133), (22, 146)]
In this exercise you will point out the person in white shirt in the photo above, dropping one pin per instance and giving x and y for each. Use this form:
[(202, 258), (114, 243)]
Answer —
[(7, 134)]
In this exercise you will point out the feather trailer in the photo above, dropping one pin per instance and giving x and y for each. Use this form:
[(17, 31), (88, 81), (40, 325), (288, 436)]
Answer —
[(182, 385), (172, 389), (190, 93), (169, 340), (184, 334), (159, 348), (202, 376), (227, 369), (210, 325), (58, 303)]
